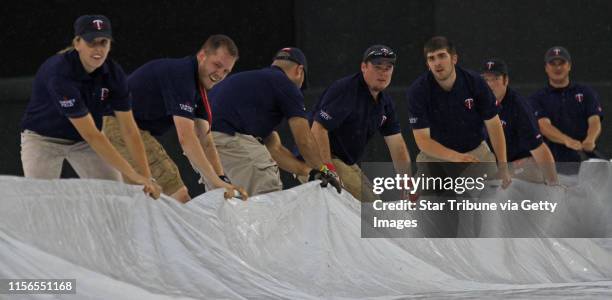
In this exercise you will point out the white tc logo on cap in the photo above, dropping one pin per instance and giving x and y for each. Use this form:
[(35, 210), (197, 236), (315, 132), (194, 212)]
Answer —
[(98, 24)]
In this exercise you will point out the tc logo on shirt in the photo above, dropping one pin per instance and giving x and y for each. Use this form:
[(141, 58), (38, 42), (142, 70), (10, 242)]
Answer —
[(325, 116), (469, 103), (413, 120), (186, 107), (104, 92), (503, 123), (67, 102), (579, 97), (384, 118)]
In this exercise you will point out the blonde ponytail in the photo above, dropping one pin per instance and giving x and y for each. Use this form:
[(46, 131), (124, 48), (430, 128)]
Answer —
[(71, 47)]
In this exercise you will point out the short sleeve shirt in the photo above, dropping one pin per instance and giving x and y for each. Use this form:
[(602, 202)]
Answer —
[(568, 110), (165, 88), (456, 117), (255, 102), (520, 128), (351, 116), (62, 89)]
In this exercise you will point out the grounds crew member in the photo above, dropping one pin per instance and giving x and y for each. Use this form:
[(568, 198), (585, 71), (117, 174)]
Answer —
[(248, 106), (62, 121), (348, 114), (529, 156), (449, 109), (171, 93), (569, 114)]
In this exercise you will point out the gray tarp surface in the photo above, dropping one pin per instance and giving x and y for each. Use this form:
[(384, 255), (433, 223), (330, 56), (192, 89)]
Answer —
[(302, 243)]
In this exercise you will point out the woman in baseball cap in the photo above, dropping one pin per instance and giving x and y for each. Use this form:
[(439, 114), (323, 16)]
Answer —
[(71, 91)]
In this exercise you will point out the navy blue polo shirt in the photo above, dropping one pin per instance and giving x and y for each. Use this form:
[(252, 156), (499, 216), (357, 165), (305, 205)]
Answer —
[(255, 102), (164, 88), (351, 116), (520, 128), (62, 89), (568, 109), (455, 118)]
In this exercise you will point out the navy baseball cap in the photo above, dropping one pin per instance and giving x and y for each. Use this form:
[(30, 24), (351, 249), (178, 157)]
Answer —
[(90, 27), (378, 54), (557, 52), (295, 55), (496, 66)]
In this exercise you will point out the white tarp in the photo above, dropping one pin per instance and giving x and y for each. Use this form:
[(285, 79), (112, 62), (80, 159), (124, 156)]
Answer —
[(302, 243)]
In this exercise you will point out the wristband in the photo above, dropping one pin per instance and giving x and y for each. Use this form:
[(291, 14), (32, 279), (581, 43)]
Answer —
[(328, 167), (225, 179)]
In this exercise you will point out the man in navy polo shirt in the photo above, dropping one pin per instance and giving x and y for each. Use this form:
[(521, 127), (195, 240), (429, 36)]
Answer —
[(569, 114), (449, 109), (248, 106), (348, 114), (525, 145), (171, 93)]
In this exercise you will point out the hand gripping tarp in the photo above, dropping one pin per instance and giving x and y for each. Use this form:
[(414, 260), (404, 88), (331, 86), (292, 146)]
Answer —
[(302, 243)]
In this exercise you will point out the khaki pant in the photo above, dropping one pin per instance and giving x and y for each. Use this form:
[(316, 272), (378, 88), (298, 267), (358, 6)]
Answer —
[(163, 169), (248, 163), (353, 180), (482, 153), (42, 157)]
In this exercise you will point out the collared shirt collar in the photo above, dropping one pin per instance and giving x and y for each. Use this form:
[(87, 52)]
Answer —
[(194, 61), (80, 73), (550, 88), (364, 85)]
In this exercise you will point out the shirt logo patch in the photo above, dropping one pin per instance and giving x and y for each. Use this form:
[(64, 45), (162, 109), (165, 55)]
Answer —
[(98, 24), (67, 102), (104, 94), (579, 97), (490, 65), (469, 103), (413, 120), (539, 136), (325, 116), (186, 107), (384, 118), (503, 123)]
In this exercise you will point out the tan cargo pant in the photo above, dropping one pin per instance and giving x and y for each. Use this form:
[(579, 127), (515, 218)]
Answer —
[(353, 180), (248, 163), (163, 169), (482, 153), (42, 157)]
